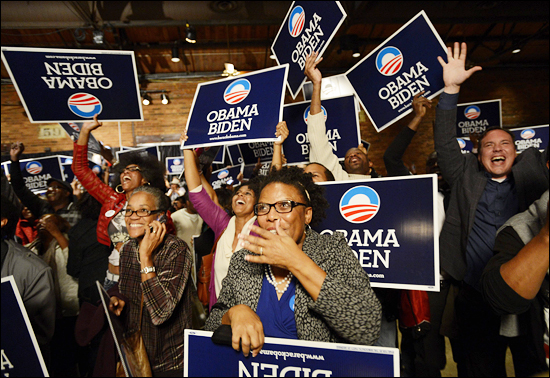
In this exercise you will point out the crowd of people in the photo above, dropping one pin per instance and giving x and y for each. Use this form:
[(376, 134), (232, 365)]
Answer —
[(265, 271)]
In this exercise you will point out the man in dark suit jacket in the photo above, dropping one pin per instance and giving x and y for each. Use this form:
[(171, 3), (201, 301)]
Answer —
[(486, 192)]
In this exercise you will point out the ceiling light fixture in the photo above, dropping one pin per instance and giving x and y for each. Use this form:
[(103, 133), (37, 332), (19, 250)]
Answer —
[(98, 37), (190, 33), (164, 99), (356, 54), (515, 51), (146, 99), (229, 70), (175, 54)]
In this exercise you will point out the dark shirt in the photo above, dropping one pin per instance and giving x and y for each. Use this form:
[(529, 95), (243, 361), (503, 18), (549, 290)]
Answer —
[(277, 315), (498, 203)]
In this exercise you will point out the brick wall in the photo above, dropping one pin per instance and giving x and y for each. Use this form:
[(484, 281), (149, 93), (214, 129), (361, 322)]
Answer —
[(524, 94)]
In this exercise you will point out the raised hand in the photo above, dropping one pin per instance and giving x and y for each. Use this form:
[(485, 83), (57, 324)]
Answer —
[(281, 131), (16, 151), (311, 70), (454, 71)]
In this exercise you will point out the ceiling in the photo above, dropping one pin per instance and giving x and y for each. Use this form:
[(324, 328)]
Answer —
[(241, 32)]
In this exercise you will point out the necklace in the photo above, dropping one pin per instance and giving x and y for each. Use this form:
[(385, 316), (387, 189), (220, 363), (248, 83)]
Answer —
[(271, 278)]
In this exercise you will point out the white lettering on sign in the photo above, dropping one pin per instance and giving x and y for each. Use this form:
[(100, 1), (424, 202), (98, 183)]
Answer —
[(234, 120), (378, 240), (70, 75), (405, 86), (309, 41)]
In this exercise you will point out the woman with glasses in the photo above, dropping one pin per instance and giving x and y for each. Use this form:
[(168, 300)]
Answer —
[(292, 282), (134, 169), (154, 273), (226, 227)]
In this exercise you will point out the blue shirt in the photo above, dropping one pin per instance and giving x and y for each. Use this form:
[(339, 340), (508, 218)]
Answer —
[(498, 203), (277, 316)]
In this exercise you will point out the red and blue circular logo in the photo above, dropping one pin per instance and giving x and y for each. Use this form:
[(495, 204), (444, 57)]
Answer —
[(33, 167), (306, 113), (236, 91), (359, 204), (176, 162), (472, 112), (527, 133), (389, 61), (84, 105), (296, 21), (223, 174)]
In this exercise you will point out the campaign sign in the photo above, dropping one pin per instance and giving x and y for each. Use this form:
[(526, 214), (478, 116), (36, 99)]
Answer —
[(62, 85), (37, 172), (154, 150), (405, 64), (389, 224), (476, 117), (234, 153), (531, 136), (308, 26), (69, 174), (225, 176), (73, 130), (342, 128), (174, 165), (465, 144), (21, 356), (250, 152), (237, 110), (287, 358)]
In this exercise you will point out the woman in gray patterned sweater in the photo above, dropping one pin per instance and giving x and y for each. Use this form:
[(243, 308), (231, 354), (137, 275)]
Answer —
[(291, 282)]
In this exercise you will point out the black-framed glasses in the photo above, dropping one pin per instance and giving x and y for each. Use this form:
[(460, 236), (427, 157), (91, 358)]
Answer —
[(140, 213), (131, 169), (280, 207)]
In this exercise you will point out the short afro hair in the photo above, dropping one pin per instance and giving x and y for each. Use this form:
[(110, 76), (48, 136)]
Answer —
[(151, 169), (313, 194)]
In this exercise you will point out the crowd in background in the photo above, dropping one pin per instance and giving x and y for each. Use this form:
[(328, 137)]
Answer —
[(244, 252)]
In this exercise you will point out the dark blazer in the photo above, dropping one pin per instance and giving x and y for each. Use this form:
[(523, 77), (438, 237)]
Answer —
[(467, 180), (346, 310)]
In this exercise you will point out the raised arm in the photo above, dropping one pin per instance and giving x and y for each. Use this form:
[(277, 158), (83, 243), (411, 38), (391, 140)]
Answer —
[(393, 157), (454, 74), (281, 131)]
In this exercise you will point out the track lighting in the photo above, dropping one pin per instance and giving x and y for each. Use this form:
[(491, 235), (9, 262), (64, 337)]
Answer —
[(190, 33), (146, 99), (175, 54), (164, 99)]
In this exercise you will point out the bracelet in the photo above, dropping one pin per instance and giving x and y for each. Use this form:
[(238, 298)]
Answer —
[(148, 269)]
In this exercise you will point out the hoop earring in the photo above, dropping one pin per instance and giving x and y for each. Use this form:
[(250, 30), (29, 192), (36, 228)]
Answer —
[(119, 191)]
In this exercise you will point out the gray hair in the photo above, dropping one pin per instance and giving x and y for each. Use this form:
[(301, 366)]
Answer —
[(161, 202)]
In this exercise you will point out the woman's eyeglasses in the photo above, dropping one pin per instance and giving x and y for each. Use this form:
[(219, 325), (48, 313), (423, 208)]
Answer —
[(280, 207), (131, 169), (140, 213)]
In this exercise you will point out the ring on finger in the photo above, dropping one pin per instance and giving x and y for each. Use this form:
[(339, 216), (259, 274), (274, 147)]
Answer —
[(261, 251)]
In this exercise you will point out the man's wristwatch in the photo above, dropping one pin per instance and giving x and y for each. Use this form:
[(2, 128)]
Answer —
[(148, 269)]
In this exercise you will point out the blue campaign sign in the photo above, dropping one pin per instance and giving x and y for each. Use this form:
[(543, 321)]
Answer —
[(174, 165), (476, 117), (250, 152), (225, 176), (308, 26), (389, 224), (405, 64), (531, 136), (237, 110), (62, 85), (342, 127), (154, 150), (465, 144), (234, 153), (73, 130), (220, 156), (21, 356), (37, 172), (287, 358)]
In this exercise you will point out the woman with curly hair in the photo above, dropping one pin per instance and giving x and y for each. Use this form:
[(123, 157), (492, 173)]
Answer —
[(290, 281), (133, 170)]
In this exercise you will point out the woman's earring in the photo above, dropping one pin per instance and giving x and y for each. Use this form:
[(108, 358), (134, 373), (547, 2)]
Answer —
[(119, 191)]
